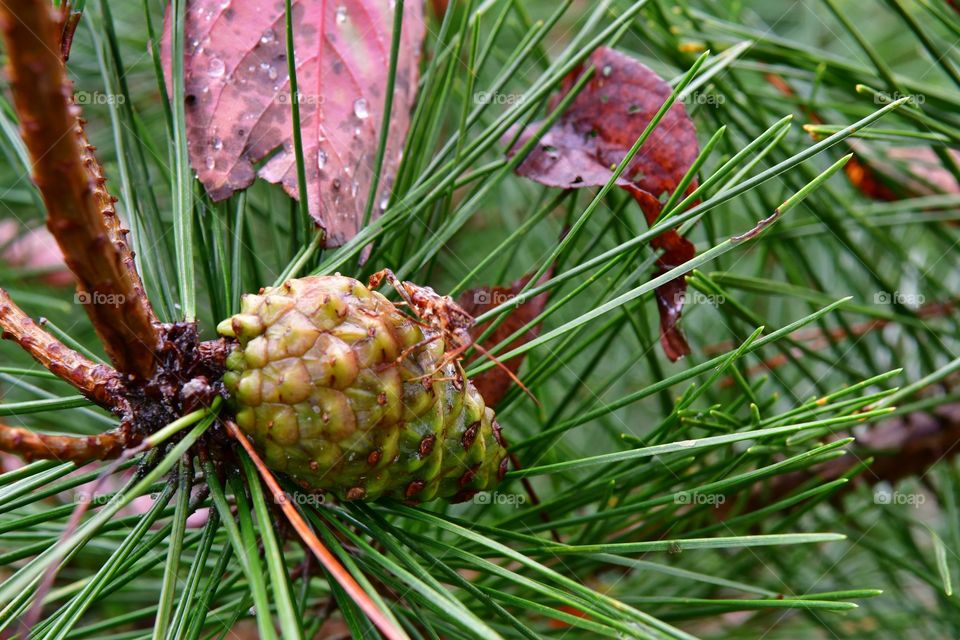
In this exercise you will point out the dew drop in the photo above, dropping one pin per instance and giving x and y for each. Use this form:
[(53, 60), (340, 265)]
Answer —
[(217, 144), (384, 201), (354, 188), (607, 70), (272, 73), (321, 159), (360, 108), (341, 14), (216, 68), (209, 162), (268, 37)]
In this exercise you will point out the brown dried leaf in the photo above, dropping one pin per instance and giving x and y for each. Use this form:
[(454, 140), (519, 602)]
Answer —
[(238, 98), (494, 383), (895, 173), (594, 135)]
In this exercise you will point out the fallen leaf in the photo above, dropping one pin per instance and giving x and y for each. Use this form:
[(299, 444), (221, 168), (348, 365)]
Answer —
[(895, 173), (34, 249), (593, 136), (440, 8), (554, 623), (891, 174), (494, 383), (237, 95)]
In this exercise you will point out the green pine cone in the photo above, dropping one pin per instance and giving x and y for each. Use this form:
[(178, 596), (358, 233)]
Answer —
[(317, 381)]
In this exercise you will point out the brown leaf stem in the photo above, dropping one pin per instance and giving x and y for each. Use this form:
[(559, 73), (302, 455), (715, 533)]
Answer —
[(80, 211), (326, 558)]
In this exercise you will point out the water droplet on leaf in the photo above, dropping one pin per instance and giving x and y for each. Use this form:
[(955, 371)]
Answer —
[(360, 108), (216, 68)]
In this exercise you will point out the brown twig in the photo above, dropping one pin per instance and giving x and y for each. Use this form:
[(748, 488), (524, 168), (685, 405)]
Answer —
[(98, 382), (80, 211), (30, 445)]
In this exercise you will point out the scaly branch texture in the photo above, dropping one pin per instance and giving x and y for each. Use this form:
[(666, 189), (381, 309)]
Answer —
[(98, 382), (30, 445), (80, 212)]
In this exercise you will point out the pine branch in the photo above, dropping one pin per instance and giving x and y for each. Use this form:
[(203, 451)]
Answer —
[(80, 211), (98, 382), (30, 445)]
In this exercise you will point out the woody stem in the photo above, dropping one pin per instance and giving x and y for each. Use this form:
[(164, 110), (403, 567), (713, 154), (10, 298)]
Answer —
[(99, 382), (80, 449), (80, 211)]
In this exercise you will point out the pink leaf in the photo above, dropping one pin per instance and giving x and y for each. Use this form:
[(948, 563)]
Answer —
[(238, 98)]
